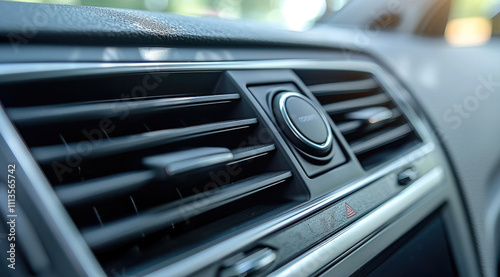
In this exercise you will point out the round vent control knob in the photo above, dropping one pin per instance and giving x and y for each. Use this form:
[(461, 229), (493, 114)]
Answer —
[(303, 123)]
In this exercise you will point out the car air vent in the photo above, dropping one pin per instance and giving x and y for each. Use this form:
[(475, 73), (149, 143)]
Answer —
[(152, 166), (370, 121)]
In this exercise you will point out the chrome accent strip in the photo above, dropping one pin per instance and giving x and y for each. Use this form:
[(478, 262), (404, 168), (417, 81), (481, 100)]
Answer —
[(297, 133), (26, 71), (191, 264), (320, 256)]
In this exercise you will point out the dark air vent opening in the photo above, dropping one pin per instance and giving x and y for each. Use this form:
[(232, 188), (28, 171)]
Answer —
[(110, 88), (186, 237), (370, 121), (148, 179)]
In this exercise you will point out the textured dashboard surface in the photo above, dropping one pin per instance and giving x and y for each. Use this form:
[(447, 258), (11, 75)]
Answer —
[(47, 23)]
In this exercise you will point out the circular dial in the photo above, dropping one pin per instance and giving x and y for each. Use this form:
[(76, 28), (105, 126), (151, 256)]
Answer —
[(303, 123)]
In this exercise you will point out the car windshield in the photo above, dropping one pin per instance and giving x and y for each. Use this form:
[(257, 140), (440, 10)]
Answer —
[(289, 14)]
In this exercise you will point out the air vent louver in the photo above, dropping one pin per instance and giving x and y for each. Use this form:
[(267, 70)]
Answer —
[(150, 166), (371, 123)]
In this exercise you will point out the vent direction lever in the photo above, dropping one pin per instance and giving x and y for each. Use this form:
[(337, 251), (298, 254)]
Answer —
[(175, 163)]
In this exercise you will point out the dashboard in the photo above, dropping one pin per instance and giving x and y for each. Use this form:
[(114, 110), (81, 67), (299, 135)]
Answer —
[(148, 144)]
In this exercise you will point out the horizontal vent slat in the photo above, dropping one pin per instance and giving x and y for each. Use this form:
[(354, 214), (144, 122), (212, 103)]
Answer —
[(87, 111), (380, 139), (344, 106), (349, 126), (163, 216), (245, 153), (343, 87), (94, 190), (46, 154)]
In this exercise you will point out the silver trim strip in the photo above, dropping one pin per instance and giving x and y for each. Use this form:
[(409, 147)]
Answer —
[(27, 71), (320, 256)]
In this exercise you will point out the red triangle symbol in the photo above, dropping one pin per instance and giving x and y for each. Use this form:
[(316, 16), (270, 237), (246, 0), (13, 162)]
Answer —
[(349, 211)]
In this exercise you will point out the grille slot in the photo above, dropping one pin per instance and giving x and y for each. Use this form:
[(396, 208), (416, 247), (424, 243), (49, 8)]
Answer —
[(140, 173), (370, 121)]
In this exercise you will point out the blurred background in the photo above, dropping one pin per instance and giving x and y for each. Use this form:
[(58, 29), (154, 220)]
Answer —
[(471, 22)]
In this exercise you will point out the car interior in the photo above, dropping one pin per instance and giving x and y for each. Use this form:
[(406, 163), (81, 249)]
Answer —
[(250, 138)]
